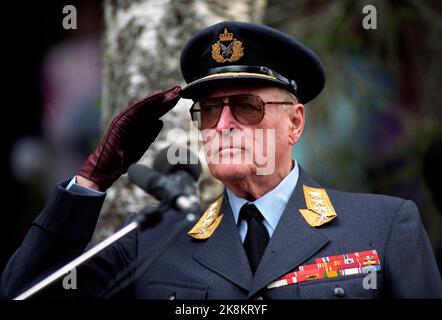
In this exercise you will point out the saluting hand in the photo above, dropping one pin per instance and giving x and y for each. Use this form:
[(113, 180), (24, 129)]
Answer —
[(129, 135)]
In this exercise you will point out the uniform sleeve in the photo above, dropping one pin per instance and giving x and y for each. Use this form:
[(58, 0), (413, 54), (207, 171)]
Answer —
[(59, 234), (411, 269)]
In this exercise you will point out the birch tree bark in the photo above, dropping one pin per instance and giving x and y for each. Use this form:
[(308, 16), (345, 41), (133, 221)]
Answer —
[(142, 44)]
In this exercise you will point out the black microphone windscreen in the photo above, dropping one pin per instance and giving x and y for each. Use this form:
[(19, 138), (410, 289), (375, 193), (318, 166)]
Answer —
[(141, 175), (176, 157)]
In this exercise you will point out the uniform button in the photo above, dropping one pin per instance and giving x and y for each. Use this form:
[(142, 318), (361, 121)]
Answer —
[(172, 297), (259, 298), (339, 292)]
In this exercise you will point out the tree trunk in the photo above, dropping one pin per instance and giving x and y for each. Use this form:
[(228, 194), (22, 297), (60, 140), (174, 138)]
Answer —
[(142, 45)]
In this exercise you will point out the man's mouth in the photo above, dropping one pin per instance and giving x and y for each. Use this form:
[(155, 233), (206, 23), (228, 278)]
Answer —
[(225, 148)]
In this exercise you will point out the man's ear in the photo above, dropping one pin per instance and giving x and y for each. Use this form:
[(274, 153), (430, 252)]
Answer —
[(297, 119)]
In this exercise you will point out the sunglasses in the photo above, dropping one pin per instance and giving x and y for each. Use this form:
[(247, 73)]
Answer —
[(247, 109)]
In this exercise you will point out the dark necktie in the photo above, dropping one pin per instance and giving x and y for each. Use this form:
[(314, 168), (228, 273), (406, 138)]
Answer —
[(257, 236)]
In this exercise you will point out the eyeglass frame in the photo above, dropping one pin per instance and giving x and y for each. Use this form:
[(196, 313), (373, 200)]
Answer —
[(262, 104)]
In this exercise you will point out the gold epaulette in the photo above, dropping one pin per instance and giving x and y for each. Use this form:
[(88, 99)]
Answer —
[(208, 222), (319, 208)]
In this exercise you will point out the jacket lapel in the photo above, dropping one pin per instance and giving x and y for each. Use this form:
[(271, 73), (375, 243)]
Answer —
[(293, 240), (223, 252)]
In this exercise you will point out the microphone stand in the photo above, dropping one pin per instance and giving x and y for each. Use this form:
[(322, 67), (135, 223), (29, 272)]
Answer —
[(147, 218)]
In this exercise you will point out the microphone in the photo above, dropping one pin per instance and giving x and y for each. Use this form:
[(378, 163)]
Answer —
[(174, 158), (171, 183)]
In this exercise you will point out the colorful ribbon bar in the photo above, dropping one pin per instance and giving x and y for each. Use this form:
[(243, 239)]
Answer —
[(368, 253), (296, 277), (332, 267)]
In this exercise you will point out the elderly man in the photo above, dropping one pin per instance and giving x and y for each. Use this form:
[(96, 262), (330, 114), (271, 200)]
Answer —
[(274, 233)]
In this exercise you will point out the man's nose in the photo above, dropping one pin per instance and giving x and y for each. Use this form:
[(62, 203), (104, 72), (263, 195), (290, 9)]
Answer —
[(226, 119)]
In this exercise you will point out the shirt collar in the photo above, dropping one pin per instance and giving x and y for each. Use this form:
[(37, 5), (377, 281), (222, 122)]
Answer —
[(272, 204)]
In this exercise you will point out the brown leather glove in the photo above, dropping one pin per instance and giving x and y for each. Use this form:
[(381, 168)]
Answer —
[(129, 135)]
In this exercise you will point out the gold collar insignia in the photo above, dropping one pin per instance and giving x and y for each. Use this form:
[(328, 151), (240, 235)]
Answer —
[(227, 53), (319, 208), (208, 222)]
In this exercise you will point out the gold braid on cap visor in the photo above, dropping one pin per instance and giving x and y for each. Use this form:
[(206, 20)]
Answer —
[(234, 74)]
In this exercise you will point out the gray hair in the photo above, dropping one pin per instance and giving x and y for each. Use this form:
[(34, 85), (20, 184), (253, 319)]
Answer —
[(287, 94)]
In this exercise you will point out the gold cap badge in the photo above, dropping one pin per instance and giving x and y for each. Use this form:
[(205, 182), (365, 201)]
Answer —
[(208, 222), (319, 208), (230, 53)]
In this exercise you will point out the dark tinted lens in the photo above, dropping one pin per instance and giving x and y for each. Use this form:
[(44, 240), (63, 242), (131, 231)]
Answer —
[(247, 109), (210, 112)]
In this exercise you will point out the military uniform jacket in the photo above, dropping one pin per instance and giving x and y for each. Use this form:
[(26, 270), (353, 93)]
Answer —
[(217, 267)]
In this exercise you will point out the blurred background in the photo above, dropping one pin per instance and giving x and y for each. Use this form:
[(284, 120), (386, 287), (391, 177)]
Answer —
[(375, 128)]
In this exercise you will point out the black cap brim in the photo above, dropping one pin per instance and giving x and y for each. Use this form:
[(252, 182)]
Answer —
[(201, 86)]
